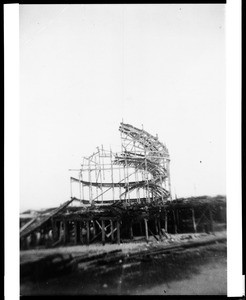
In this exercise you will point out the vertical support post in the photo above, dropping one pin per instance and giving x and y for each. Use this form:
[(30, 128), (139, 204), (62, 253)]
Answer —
[(90, 186), (94, 228), (75, 232), (174, 221), (60, 231), (54, 230), (103, 154), (112, 230), (118, 232), (81, 232), (87, 232), (103, 232), (81, 176), (131, 231), (96, 175), (146, 230), (64, 231), (120, 181), (112, 173), (126, 179), (80, 192), (169, 180), (100, 171), (71, 187), (159, 228), (136, 174), (166, 224), (156, 226), (193, 220)]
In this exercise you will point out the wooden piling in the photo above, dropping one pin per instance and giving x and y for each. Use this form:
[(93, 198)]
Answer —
[(159, 228), (146, 230), (54, 230), (193, 220), (131, 231), (156, 226), (75, 232), (87, 232), (166, 224), (94, 229), (60, 231), (65, 231)]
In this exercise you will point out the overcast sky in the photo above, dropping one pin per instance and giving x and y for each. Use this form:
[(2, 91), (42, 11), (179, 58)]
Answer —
[(84, 68)]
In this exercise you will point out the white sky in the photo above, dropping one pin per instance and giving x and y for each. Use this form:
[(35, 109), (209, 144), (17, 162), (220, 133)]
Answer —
[(85, 67)]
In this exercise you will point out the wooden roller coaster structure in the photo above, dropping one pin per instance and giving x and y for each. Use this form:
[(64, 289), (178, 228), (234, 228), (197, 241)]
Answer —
[(120, 196), (139, 173)]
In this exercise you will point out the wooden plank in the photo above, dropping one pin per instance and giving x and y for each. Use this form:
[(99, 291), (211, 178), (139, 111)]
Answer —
[(38, 224)]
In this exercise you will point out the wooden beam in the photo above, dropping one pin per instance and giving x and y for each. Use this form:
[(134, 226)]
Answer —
[(112, 230), (153, 234), (202, 216)]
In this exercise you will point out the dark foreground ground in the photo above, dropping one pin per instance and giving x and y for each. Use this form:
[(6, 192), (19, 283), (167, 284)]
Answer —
[(193, 264)]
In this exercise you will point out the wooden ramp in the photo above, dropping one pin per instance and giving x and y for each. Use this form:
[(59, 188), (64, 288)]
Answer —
[(41, 220)]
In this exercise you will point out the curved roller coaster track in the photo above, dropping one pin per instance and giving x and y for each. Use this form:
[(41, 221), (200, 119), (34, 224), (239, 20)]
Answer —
[(140, 172)]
